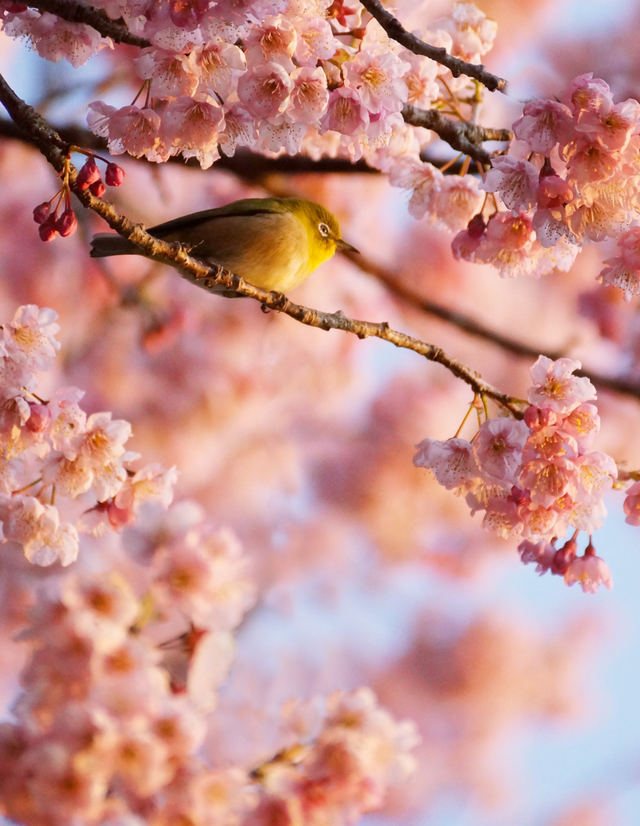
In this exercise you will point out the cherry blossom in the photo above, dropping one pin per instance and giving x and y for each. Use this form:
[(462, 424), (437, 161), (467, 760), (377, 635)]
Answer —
[(515, 180), (590, 571), (555, 387), (534, 479)]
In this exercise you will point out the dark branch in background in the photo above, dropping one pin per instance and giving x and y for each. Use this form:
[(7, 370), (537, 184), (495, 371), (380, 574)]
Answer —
[(53, 149), (249, 165), (473, 328), (75, 11), (460, 135), (457, 67), (254, 167)]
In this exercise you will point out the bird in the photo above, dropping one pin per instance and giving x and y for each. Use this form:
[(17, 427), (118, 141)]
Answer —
[(273, 243)]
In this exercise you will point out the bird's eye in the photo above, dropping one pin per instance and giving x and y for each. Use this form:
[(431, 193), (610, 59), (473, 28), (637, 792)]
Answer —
[(324, 230)]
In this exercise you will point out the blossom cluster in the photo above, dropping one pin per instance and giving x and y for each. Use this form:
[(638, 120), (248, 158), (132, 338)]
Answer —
[(117, 693), (570, 177), (310, 75), (129, 650), (538, 478), (117, 688), (52, 451), (357, 754)]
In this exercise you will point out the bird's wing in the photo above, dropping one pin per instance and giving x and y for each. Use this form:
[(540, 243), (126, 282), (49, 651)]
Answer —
[(245, 208)]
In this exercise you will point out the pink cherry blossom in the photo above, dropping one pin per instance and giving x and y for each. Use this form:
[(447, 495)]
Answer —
[(423, 179), (555, 387), (498, 449), (515, 180), (38, 529), (205, 574), (129, 129), (194, 125), (310, 96), (590, 571), (29, 337), (583, 424), (345, 113), (543, 124), (274, 40), (585, 95), (541, 553), (265, 89), (217, 66), (455, 201), (421, 82), (629, 246), (472, 32), (54, 38), (315, 41), (451, 461), (596, 473), (377, 79), (619, 274), (239, 130), (632, 504), (547, 481), (507, 244), (171, 74), (281, 133)]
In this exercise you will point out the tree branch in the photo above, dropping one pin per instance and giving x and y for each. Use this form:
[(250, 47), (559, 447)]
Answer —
[(75, 11), (198, 273), (460, 135), (474, 328), (252, 167), (457, 67)]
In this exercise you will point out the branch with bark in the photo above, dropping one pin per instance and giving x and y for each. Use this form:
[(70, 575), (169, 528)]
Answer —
[(75, 11), (457, 67), (460, 135), (197, 272)]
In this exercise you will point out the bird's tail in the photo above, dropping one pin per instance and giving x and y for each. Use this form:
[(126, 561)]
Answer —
[(105, 244)]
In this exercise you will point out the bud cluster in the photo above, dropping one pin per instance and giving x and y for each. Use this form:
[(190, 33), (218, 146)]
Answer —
[(56, 217)]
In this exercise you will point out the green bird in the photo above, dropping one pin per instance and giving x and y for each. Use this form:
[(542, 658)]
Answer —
[(273, 243)]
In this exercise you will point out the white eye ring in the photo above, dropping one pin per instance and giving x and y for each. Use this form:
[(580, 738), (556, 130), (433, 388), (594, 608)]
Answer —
[(324, 230)]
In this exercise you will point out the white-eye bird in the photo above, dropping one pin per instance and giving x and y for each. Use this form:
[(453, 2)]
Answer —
[(273, 243)]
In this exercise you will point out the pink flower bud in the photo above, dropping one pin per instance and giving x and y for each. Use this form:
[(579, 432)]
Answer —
[(41, 212), (98, 189), (564, 557), (114, 175), (67, 223), (88, 175), (39, 418), (47, 229), (119, 517), (476, 226), (538, 417)]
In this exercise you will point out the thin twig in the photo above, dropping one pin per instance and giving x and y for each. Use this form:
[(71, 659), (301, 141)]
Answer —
[(198, 273), (460, 135), (457, 67), (75, 11)]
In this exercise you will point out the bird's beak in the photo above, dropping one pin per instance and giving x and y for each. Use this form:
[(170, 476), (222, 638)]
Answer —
[(343, 245)]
